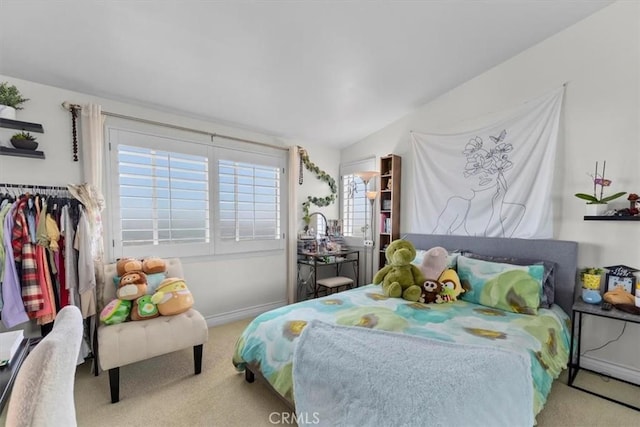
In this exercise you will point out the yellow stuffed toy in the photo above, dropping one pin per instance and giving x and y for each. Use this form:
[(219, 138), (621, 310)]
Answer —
[(172, 297), (399, 277), (451, 286)]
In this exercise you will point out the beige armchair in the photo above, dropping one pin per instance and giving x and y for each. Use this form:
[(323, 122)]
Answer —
[(130, 342)]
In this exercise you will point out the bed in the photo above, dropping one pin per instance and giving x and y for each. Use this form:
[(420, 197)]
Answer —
[(266, 347)]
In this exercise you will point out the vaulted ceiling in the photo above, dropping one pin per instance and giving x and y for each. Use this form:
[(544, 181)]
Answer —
[(325, 72)]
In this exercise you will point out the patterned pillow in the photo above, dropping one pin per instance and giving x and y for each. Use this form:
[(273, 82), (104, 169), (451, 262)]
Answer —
[(505, 286), (548, 279), (451, 259)]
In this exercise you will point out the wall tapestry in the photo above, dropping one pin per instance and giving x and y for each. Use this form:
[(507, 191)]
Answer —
[(495, 181)]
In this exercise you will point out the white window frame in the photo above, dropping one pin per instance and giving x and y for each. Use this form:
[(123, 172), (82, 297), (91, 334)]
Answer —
[(350, 168), (231, 246), (178, 141)]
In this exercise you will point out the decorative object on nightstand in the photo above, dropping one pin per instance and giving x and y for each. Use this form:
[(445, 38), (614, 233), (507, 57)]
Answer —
[(597, 206), (620, 276), (591, 278)]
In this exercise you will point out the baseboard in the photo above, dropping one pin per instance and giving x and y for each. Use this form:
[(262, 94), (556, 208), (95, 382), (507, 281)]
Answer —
[(605, 367), (243, 313)]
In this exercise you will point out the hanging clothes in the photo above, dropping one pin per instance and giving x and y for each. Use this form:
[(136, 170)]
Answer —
[(47, 253), (25, 255), (67, 229), (48, 312), (86, 270), (13, 310)]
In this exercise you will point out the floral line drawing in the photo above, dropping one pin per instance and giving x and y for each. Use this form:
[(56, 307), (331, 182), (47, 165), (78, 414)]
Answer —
[(488, 165)]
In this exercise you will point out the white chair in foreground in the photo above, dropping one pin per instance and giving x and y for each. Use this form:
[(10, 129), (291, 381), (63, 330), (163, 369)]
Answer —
[(129, 342), (43, 392)]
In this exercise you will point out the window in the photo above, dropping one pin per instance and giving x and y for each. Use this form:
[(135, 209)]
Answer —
[(173, 195), (249, 194), (353, 198), (164, 197)]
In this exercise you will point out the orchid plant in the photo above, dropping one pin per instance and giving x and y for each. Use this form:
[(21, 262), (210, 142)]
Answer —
[(599, 181)]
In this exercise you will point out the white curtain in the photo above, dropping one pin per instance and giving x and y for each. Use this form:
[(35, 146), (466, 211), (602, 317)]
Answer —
[(90, 192), (91, 195), (92, 125), (494, 181)]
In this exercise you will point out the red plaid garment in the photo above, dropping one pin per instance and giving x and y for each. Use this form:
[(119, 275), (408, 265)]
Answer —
[(20, 230), (25, 253), (31, 292)]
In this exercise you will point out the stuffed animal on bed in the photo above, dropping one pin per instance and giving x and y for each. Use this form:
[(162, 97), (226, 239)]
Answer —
[(451, 286), (434, 262), (399, 277), (431, 290)]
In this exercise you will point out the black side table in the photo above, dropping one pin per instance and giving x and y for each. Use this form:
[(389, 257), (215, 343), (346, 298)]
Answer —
[(580, 308)]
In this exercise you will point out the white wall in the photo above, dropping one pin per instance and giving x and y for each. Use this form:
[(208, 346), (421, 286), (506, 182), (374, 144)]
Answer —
[(224, 287), (599, 59)]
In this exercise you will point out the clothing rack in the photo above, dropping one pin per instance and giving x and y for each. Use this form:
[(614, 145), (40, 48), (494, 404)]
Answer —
[(33, 187)]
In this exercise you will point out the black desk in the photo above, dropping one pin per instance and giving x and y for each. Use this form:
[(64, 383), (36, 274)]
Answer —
[(580, 308), (9, 373), (307, 286)]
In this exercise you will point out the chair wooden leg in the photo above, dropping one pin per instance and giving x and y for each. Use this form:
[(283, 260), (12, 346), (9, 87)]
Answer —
[(96, 361), (197, 358), (248, 375), (114, 384)]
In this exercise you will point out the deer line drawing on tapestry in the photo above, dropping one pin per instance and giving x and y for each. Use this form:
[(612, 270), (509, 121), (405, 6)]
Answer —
[(485, 210)]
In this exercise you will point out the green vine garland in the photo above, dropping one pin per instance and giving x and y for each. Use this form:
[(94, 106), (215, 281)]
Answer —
[(322, 176)]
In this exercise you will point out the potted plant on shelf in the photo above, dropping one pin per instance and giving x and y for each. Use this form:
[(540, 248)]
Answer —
[(10, 100), (597, 206), (24, 141)]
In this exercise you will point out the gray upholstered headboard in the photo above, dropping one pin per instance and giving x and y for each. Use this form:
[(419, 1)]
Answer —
[(563, 253)]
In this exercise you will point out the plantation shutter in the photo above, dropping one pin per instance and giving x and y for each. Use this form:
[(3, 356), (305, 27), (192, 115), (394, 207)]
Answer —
[(164, 197), (249, 193)]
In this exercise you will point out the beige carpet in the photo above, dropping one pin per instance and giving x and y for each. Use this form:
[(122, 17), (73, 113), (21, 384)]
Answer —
[(164, 392)]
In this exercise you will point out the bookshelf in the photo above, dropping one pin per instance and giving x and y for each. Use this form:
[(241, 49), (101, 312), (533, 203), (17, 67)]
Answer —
[(390, 184)]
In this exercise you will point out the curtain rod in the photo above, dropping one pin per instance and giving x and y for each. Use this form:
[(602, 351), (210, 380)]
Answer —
[(69, 106)]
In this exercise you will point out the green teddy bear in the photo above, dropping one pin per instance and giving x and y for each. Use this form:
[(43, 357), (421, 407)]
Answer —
[(400, 278)]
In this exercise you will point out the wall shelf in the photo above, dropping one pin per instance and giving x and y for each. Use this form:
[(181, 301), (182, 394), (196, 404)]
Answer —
[(612, 218), (20, 125), (17, 152)]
